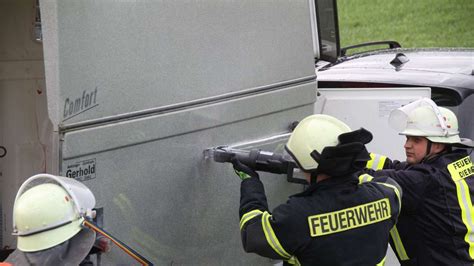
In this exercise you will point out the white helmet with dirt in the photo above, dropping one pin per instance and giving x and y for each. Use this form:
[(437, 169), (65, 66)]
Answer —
[(49, 210), (425, 119)]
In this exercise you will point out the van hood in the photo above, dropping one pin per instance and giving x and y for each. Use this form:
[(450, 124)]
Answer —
[(439, 67), (441, 60)]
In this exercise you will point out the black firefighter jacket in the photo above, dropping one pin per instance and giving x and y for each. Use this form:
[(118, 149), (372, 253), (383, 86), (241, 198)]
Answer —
[(334, 222), (436, 223)]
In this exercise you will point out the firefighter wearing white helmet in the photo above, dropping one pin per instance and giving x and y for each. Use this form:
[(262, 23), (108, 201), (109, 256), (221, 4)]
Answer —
[(47, 217), (314, 133), (315, 226), (437, 178)]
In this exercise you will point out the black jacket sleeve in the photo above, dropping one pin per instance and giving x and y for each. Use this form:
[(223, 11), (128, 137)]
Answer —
[(267, 234), (252, 196), (413, 181)]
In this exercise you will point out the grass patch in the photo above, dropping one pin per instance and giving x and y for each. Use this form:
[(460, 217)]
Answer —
[(413, 23)]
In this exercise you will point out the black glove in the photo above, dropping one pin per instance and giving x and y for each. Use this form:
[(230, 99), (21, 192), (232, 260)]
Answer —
[(242, 170)]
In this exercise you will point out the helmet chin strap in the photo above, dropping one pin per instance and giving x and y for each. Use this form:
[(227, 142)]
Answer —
[(314, 176), (428, 148), (428, 151)]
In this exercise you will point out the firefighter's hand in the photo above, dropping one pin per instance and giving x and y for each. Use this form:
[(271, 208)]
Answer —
[(242, 170)]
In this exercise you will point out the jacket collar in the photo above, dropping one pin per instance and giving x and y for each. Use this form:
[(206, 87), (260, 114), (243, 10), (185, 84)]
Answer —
[(446, 157), (331, 182)]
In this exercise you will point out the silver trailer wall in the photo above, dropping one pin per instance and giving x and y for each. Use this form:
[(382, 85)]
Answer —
[(145, 86), (122, 57)]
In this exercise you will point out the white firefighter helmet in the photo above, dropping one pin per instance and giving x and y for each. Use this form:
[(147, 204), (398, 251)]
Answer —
[(49, 210), (425, 119), (315, 132)]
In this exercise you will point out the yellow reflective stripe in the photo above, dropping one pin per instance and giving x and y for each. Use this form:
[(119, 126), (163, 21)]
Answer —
[(365, 178), (382, 262), (459, 170), (381, 162), (371, 161), (294, 261), (248, 216), (397, 192), (376, 161), (465, 203), (397, 241), (271, 237)]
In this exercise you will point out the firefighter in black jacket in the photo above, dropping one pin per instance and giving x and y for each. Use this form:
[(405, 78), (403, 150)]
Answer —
[(336, 220), (436, 225)]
